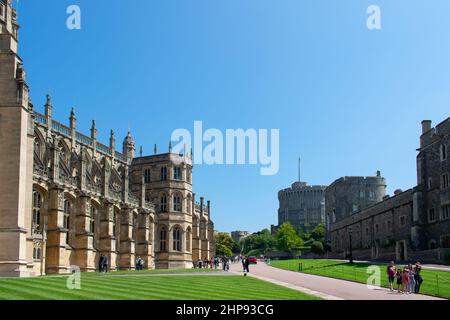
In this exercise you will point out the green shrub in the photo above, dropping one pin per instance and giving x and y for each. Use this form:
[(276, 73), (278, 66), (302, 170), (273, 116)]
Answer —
[(447, 257), (317, 247)]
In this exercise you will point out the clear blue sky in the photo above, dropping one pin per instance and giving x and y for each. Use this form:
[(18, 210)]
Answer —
[(348, 100)]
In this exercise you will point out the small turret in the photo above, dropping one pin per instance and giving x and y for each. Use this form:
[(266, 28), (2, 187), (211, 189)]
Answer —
[(73, 119), (129, 147), (48, 106), (94, 130), (112, 140)]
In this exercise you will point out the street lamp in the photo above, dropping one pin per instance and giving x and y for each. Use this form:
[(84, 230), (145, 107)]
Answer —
[(350, 233)]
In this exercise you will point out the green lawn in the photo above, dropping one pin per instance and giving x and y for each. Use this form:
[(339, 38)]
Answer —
[(129, 287), (435, 283), (152, 271)]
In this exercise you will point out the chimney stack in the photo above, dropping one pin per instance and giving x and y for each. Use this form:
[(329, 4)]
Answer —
[(426, 126)]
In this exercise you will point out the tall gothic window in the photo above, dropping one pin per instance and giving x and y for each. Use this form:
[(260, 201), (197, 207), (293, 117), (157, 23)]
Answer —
[(37, 147), (163, 203), (188, 175), (92, 214), (147, 175), (443, 152), (66, 221), (445, 181), (177, 203), (188, 203), (134, 227), (37, 206), (163, 173), (36, 253), (177, 173), (114, 221), (163, 239), (188, 239), (94, 225), (445, 212), (176, 239)]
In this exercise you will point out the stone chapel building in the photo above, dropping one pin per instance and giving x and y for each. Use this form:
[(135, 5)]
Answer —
[(66, 198)]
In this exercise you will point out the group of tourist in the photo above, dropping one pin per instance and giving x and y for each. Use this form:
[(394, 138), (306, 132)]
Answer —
[(214, 263), (223, 262), (408, 279)]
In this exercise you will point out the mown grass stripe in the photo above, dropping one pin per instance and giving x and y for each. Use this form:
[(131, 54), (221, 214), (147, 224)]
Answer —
[(139, 291), (140, 287), (172, 287), (58, 293)]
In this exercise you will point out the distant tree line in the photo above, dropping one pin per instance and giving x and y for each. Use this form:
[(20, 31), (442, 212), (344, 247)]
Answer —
[(287, 240)]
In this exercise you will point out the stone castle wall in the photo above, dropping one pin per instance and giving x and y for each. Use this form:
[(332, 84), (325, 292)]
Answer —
[(302, 205)]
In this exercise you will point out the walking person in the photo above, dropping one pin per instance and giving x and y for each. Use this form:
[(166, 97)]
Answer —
[(405, 279), (139, 263), (391, 272), (105, 264), (417, 277), (247, 264), (243, 264), (398, 275), (100, 263), (136, 263), (412, 281), (216, 263), (224, 263)]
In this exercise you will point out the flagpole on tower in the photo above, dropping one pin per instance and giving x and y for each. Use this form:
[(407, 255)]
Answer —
[(299, 169)]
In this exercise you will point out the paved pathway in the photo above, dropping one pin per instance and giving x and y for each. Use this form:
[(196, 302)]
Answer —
[(326, 288)]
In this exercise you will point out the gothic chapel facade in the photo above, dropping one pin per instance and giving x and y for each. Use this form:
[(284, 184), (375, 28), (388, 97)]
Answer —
[(66, 198)]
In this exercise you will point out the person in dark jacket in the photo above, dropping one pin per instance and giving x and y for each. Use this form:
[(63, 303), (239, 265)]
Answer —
[(100, 263), (417, 277), (247, 264), (105, 264)]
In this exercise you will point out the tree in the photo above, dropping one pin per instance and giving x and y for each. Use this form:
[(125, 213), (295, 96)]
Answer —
[(317, 247), (287, 238), (263, 241), (318, 233), (225, 245), (222, 250)]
